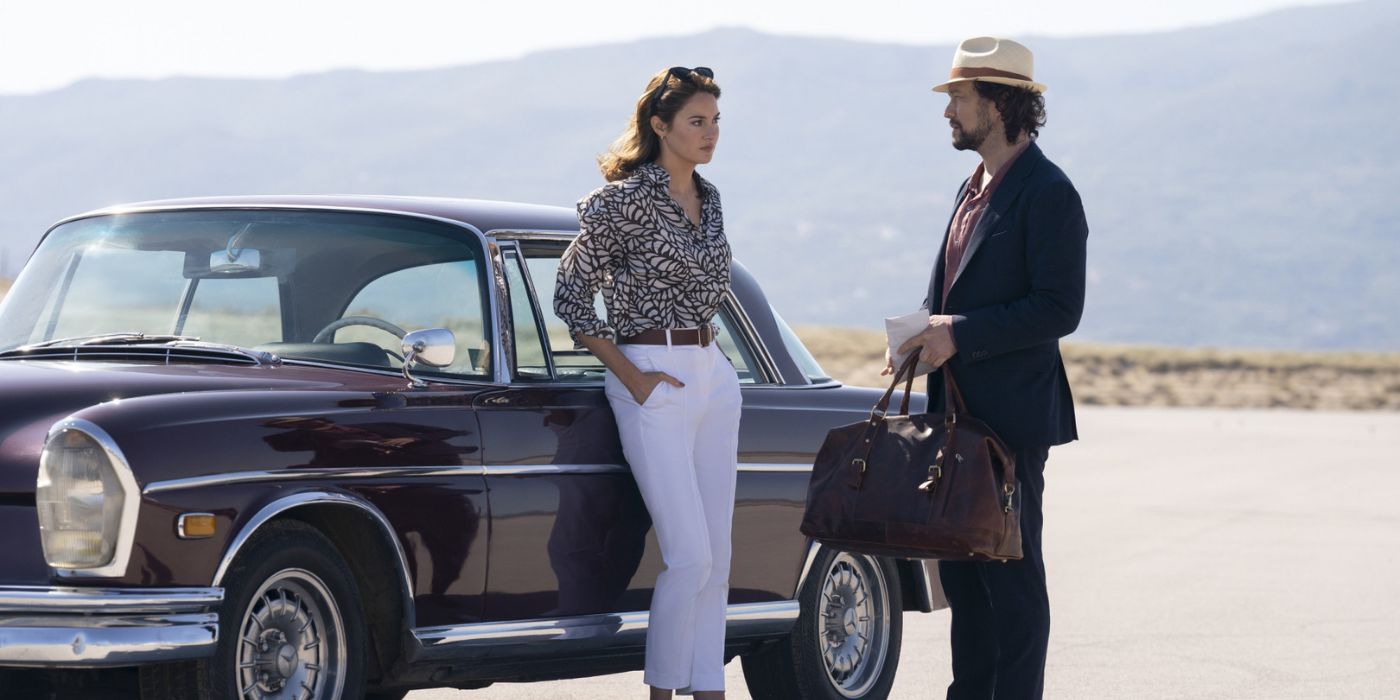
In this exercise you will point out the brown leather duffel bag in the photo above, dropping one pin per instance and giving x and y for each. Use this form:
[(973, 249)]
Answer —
[(929, 486)]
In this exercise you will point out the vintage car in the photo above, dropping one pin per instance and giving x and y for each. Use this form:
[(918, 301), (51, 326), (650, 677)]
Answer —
[(325, 447)]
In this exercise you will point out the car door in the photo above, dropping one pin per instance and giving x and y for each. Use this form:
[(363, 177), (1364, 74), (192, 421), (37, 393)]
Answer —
[(568, 527), (438, 505), (570, 533)]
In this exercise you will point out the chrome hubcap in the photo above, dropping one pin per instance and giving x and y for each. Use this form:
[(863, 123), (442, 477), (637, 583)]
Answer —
[(854, 621), (292, 641)]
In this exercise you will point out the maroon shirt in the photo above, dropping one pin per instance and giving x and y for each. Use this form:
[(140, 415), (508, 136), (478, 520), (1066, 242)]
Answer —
[(968, 214)]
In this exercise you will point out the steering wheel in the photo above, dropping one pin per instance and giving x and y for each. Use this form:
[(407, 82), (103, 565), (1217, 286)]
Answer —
[(325, 334)]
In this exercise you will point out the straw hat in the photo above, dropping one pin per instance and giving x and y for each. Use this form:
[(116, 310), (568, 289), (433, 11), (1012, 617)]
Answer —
[(993, 60)]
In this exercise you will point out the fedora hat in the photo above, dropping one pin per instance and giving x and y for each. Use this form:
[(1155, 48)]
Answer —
[(993, 60)]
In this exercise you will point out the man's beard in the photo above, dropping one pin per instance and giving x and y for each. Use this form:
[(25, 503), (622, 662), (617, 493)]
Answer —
[(966, 140), (972, 140)]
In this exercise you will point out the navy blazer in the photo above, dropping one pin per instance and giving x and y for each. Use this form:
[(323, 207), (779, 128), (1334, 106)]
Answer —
[(1018, 290)]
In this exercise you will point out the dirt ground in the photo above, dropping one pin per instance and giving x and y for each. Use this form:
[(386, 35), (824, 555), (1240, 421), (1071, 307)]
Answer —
[(1192, 554)]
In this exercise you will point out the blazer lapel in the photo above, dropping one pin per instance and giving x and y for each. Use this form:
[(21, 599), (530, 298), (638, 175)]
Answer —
[(935, 283), (1002, 199)]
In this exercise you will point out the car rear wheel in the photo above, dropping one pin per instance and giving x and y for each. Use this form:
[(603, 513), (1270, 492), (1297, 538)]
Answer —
[(290, 626), (846, 643)]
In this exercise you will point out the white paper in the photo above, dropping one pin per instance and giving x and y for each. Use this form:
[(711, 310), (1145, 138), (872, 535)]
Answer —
[(901, 328)]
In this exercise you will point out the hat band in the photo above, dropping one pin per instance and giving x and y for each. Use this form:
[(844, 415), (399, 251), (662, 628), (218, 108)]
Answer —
[(987, 73)]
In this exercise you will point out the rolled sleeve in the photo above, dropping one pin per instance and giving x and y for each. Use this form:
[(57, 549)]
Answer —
[(586, 267)]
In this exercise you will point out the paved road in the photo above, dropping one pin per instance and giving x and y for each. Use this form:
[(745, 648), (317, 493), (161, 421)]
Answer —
[(1191, 554)]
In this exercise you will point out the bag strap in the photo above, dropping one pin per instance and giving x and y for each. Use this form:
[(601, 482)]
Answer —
[(953, 407), (877, 414), (952, 397)]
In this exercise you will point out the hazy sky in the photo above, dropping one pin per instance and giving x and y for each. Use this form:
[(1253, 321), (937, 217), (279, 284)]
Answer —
[(46, 44)]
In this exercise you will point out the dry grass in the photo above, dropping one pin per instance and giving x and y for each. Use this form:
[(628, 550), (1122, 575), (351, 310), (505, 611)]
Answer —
[(1110, 375)]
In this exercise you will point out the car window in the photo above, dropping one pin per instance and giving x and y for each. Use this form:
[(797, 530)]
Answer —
[(736, 348), (570, 364), (576, 364), (530, 361), (142, 290), (313, 285), (799, 352), (438, 295)]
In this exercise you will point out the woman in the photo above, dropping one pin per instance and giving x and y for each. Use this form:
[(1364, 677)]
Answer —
[(652, 240)]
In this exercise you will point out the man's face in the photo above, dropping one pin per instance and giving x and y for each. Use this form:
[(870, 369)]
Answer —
[(970, 115)]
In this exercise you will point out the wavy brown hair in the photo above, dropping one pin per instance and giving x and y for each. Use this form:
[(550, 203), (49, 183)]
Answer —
[(1022, 110), (639, 143)]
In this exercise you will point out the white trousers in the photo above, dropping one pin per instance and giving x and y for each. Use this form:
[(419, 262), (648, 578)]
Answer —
[(682, 445)]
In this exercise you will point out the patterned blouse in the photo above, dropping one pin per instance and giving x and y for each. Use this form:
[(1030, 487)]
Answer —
[(655, 268)]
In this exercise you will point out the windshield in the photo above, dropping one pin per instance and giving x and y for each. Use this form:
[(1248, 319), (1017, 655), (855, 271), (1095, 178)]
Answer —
[(330, 286)]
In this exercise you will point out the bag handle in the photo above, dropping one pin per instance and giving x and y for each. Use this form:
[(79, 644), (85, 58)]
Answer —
[(882, 407)]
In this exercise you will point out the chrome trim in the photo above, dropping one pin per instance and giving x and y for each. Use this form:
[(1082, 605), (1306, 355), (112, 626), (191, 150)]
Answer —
[(336, 473), (813, 548), (102, 641), (92, 627), (546, 637), (131, 499), (532, 235), (306, 498), (180, 526), (49, 599), (923, 584), (775, 468), (353, 473), (544, 469), (832, 384), (755, 341), (465, 379), (503, 349), (539, 469), (519, 257), (929, 587), (269, 206)]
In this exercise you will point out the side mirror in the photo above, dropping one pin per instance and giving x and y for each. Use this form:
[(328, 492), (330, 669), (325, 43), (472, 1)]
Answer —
[(434, 347)]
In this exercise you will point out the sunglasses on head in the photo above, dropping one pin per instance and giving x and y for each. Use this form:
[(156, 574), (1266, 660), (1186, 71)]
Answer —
[(679, 73)]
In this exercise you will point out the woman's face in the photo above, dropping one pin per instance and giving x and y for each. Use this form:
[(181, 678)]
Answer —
[(694, 133)]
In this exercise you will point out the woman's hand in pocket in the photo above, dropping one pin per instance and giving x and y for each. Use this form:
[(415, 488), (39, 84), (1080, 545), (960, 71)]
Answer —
[(646, 383)]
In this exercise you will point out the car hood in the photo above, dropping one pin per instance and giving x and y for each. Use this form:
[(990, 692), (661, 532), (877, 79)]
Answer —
[(34, 394)]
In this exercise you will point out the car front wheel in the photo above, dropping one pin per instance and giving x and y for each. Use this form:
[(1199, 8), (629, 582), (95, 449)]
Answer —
[(290, 626), (847, 638)]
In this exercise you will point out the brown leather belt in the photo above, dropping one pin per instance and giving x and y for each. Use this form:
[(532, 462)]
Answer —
[(679, 336)]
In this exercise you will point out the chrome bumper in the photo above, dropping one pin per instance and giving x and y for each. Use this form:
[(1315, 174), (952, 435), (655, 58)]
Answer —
[(94, 627)]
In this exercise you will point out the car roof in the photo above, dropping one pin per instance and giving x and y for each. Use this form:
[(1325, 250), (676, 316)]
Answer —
[(485, 215)]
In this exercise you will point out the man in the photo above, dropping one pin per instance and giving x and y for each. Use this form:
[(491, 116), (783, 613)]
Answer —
[(1007, 285)]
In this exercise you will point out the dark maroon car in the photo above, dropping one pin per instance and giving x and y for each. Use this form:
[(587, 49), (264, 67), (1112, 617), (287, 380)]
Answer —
[(323, 447)]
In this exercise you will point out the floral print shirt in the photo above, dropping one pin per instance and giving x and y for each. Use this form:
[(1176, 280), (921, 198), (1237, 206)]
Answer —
[(655, 267)]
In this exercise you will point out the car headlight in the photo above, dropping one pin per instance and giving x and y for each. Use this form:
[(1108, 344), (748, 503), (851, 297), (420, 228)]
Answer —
[(81, 498)]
